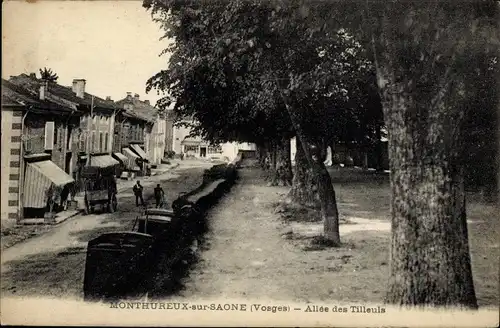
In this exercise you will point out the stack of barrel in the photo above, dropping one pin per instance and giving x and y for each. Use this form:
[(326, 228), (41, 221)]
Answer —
[(126, 264)]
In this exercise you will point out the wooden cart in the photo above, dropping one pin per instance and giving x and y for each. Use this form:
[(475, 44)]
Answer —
[(100, 189)]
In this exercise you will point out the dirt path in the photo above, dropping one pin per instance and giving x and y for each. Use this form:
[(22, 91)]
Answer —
[(243, 247), (246, 256)]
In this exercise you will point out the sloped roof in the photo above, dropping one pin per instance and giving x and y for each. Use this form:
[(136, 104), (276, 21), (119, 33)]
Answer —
[(192, 139), (15, 95), (64, 92), (141, 109)]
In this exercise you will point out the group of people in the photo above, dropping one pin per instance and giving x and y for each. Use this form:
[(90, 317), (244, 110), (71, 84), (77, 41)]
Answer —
[(159, 195)]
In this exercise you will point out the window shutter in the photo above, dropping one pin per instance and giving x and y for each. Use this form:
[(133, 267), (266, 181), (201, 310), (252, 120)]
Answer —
[(55, 136), (49, 135), (81, 145), (94, 142), (70, 140)]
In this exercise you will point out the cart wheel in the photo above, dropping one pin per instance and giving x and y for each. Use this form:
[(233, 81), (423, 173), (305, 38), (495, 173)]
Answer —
[(112, 205)]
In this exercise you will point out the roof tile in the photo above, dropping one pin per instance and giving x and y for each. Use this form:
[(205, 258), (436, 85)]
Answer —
[(13, 95)]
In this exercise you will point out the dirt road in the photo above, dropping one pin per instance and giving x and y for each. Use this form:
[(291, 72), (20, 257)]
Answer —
[(246, 256)]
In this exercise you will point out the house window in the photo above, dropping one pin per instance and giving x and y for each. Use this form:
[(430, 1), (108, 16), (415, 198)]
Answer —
[(50, 135), (101, 140), (214, 149), (56, 134), (93, 141), (81, 142), (106, 137), (69, 145), (28, 146), (189, 148)]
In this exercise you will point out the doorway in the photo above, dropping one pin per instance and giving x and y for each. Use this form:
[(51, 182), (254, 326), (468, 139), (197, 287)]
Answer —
[(67, 163), (203, 151)]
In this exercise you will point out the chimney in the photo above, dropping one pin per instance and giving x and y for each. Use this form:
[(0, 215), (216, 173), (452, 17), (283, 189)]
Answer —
[(146, 102), (136, 96), (108, 98), (79, 87), (129, 95), (43, 90)]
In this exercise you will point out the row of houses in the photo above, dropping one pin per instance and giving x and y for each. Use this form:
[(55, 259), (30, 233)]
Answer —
[(50, 132)]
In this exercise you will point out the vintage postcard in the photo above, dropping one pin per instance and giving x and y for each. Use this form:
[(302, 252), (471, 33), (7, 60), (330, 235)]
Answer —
[(250, 163)]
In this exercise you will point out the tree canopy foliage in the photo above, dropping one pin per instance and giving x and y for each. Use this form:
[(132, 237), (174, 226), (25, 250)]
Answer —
[(267, 70), (48, 75), (230, 59)]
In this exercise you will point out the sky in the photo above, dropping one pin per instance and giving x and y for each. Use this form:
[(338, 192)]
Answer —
[(114, 45)]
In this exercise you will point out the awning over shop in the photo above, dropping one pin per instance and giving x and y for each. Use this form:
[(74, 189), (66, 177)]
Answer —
[(131, 163), (103, 161), (121, 157), (139, 151), (39, 177)]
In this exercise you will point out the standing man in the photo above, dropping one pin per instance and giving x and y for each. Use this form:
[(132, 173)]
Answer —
[(138, 193), (159, 196)]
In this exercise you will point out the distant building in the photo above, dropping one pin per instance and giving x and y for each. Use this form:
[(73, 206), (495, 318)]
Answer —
[(153, 127), (196, 147), (350, 156)]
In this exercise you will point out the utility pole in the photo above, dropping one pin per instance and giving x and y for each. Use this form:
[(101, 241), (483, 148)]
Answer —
[(89, 131)]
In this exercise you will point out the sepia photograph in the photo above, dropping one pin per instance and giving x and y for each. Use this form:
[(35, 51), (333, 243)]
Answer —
[(285, 163)]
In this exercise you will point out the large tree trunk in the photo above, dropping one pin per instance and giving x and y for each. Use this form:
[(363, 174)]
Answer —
[(430, 262), (282, 175), (333, 146), (326, 193), (266, 158), (378, 150), (327, 199), (271, 162), (498, 154), (364, 155), (261, 155), (328, 203), (304, 190)]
